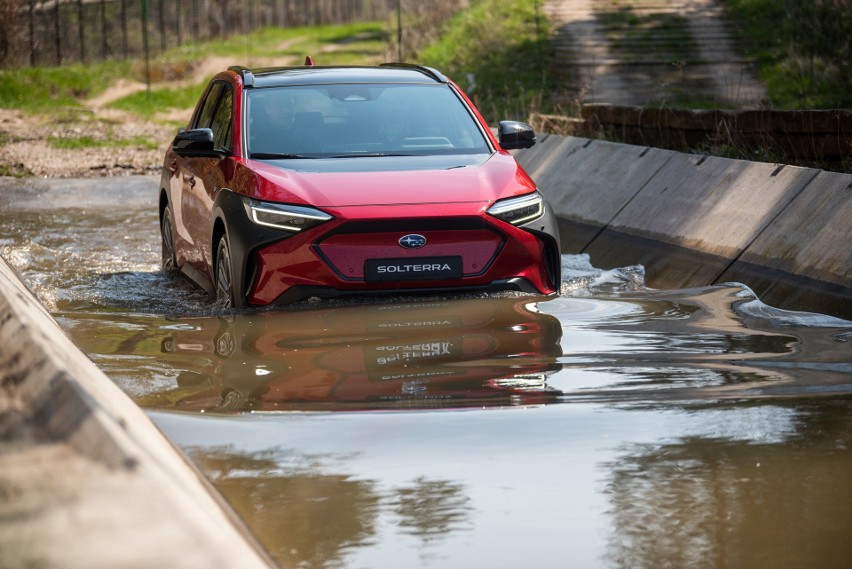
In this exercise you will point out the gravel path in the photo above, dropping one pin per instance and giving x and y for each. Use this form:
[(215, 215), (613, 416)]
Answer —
[(640, 52)]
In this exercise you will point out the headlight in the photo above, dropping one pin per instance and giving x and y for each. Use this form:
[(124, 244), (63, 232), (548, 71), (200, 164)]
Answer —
[(518, 210), (287, 217)]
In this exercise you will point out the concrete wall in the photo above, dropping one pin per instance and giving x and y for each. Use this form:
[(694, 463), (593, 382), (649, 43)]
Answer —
[(87, 479), (776, 217)]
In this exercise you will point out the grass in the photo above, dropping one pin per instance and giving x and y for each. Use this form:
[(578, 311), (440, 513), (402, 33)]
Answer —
[(87, 141), (53, 90), (345, 44), (14, 171), (147, 104), (500, 53), (657, 35), (40, 89), (803, 49)]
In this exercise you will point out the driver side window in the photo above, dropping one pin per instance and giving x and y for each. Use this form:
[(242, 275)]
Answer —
[(216, 114), (221, 123), (203, 118)]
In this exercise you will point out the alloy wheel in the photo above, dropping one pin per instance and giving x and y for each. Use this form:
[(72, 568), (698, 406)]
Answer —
[(224, 286), (169, 259)]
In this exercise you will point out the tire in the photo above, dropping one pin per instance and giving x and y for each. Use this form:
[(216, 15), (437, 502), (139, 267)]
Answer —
[(232, 400), (169, 259), (222, 273)]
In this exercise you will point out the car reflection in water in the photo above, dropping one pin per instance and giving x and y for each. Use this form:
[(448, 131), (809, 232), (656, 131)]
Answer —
[(473, 352)]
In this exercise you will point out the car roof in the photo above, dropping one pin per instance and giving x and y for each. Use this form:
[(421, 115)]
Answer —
[(319, 75)]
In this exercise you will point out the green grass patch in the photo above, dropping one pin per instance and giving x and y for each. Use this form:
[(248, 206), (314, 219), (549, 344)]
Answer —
[(654, 35), (340, 44), (500, 53), (58, 89), (87, 141), (157, 100), (803, 49), (14, 170), (42, 88)]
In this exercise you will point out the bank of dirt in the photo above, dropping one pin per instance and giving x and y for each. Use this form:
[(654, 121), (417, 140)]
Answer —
[(116, 144)]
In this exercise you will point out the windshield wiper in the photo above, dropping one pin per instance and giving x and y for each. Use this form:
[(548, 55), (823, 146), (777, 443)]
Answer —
[(277, 156), (369, 155)]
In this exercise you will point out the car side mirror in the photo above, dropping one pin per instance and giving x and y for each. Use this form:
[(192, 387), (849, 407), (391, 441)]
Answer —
[(196, 143), (514, 135)]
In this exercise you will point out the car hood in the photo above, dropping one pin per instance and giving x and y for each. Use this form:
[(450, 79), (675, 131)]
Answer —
[(391, 180)]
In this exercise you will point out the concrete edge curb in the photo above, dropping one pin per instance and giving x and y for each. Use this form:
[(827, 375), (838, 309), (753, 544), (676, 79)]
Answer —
[(775, 216), (76, 403)]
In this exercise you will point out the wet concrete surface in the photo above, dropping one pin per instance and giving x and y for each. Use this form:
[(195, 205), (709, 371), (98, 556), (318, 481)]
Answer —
[(671, 267), (696, 220), (615, 426)]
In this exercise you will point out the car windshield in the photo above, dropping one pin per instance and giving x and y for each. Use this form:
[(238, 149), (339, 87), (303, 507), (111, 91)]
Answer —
[(357, 120)]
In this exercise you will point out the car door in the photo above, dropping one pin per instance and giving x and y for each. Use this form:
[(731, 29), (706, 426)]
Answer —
[(197, 180)]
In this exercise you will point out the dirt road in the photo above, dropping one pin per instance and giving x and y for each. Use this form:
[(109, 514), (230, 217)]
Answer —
[(640, 52)]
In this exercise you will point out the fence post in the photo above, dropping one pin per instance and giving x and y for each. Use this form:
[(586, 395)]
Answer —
[(162, 20), (104, 47), (399, 30), (145, 45), (196, 24), (124, 45), (178, 11), (82, 35), (32, 33), (56, 30)]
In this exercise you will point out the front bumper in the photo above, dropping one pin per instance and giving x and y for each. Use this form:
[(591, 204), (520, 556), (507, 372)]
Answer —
[(276, 267)]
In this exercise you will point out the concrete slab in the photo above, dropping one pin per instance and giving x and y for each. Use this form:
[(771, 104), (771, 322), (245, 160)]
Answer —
[(713, 205), (812, 235), (591, 181), (550, 149), (696, 220), (87, 479), (666, 266), (575, 237)]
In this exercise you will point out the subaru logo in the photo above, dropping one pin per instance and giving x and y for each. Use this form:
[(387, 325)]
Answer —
[(412, 241)]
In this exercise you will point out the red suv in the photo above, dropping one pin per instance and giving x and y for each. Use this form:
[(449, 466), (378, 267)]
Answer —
[(324, 181)]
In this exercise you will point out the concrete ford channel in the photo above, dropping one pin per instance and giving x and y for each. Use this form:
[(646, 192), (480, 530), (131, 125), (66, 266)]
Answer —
[(128, 487)]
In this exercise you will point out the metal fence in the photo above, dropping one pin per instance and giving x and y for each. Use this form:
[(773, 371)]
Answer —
[(57, 32)]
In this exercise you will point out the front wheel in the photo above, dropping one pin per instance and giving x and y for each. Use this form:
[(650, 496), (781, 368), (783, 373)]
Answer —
[(169, 259), (223, 275)]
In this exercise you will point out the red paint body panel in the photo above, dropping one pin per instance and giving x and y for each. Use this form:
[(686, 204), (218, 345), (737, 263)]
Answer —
[(499, 176), (443, 196)]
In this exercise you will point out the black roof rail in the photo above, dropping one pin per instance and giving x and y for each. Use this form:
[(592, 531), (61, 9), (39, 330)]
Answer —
[(245, 73), (431, 72)]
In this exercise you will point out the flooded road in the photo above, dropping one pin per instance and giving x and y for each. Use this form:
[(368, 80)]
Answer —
[(614, 426)]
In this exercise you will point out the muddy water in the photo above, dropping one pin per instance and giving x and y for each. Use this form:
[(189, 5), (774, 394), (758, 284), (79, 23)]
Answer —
[(615, 426)]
